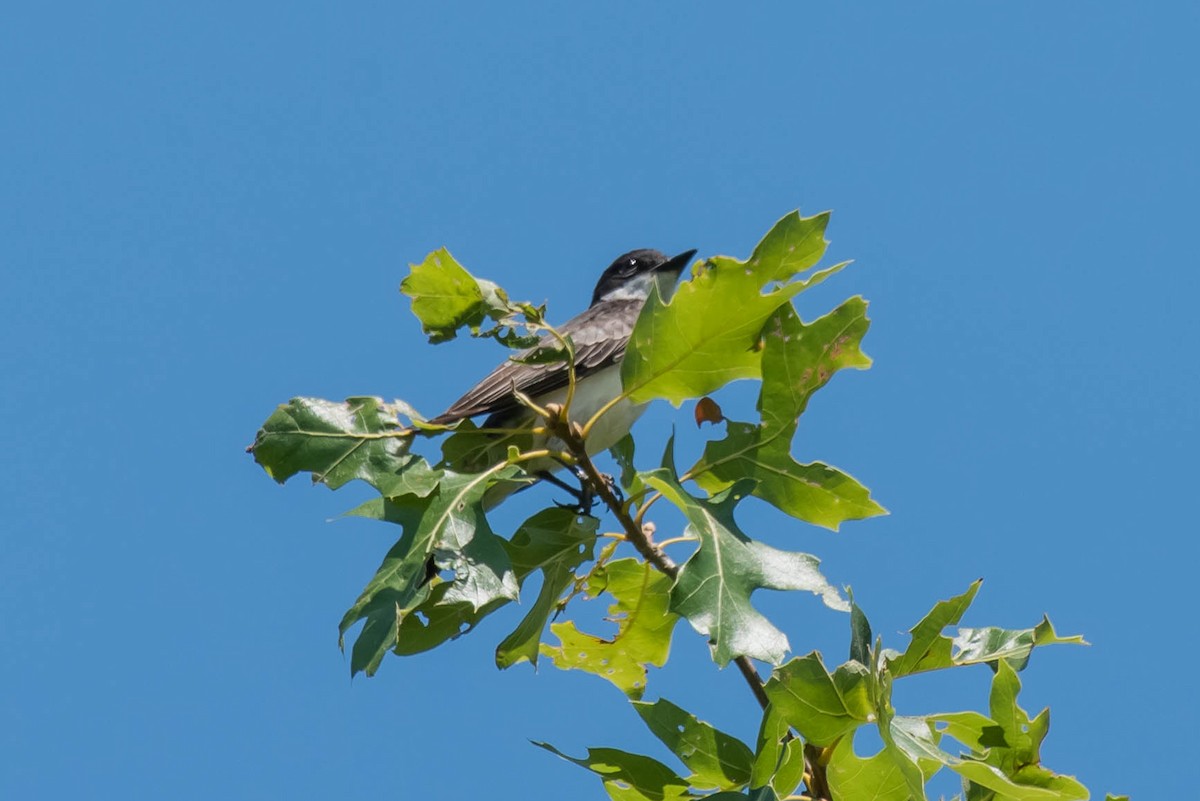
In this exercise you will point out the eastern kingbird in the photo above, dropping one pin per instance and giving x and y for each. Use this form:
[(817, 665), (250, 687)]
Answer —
[(599, 335)]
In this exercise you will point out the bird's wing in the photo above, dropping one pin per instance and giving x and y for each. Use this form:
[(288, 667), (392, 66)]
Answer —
[(599, 334)]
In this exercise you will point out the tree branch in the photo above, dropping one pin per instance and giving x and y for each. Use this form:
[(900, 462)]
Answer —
[(573, 438)]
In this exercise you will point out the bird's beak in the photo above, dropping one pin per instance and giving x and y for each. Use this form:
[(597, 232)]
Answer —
[(676, 264)]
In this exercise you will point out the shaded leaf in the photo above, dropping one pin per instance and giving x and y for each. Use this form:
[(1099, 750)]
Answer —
[(629, 777), (340, 441), (644, 625), (450, 528), (860, 635), (779, 758), (716, 759), (798, 360), (713, 587), (622, 454), (556, 541), (822, 706)]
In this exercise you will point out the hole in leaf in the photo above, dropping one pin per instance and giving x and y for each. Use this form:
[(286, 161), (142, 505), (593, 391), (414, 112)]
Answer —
[(446, 574), (424, 618)]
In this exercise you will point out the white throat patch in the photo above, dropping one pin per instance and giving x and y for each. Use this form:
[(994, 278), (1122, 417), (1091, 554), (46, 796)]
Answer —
[(638, 287)]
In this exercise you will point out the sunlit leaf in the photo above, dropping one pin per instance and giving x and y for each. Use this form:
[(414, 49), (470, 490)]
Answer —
[(822, 706), (644, 625), (876, 777), (629, 777), (359, 438), (1012, 645), (716, 759), (929, 648), (707, 334), (798, 360), (445, 297), (713, 587)]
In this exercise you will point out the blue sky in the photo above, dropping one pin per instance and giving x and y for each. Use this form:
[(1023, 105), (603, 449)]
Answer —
[(205, 211)]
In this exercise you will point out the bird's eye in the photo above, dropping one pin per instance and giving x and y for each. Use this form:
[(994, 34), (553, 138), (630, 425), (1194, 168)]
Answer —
[(630, 267)]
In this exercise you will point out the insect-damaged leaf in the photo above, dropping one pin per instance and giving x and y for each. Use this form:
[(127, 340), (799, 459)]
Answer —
[(644, 626)]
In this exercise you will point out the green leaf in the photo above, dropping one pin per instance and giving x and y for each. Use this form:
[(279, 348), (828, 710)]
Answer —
[(972, 729), (908, 749), (644, 626), (1018, 760), (339, 442), (622, 454), (713, 588), (929, 649), (822, 706), (932, 650), (759, 794), (716, 759), (860, 635), (556, 541), (877, 777), (779, 759), (798, 360), (445, 297), (629, 777), (398, 585), (793, 245), (1012, 645), (449, 528), (707, 335)]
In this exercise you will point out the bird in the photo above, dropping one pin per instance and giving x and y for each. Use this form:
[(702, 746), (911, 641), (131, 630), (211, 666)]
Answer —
[(600, 335)]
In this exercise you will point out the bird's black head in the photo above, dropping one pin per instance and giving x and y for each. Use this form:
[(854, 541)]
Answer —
[(632, 274)]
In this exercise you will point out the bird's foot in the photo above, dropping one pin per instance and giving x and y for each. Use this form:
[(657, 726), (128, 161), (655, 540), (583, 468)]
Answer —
[(584, 496)]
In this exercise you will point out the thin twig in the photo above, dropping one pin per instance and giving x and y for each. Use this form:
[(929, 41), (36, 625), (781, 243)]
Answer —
[(573, 437)]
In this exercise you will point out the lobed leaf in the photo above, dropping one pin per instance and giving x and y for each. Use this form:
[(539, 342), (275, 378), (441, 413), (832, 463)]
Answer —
[(793, 245), (556, 541), (876, 777), (822, 706), (929, 648), (707, 334), (629, 777), (716, 759), (713, 587), (798, 360), (448, 531), (1012, 645), (445, 297), (644, 626), (779, 760), (359, 438)]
